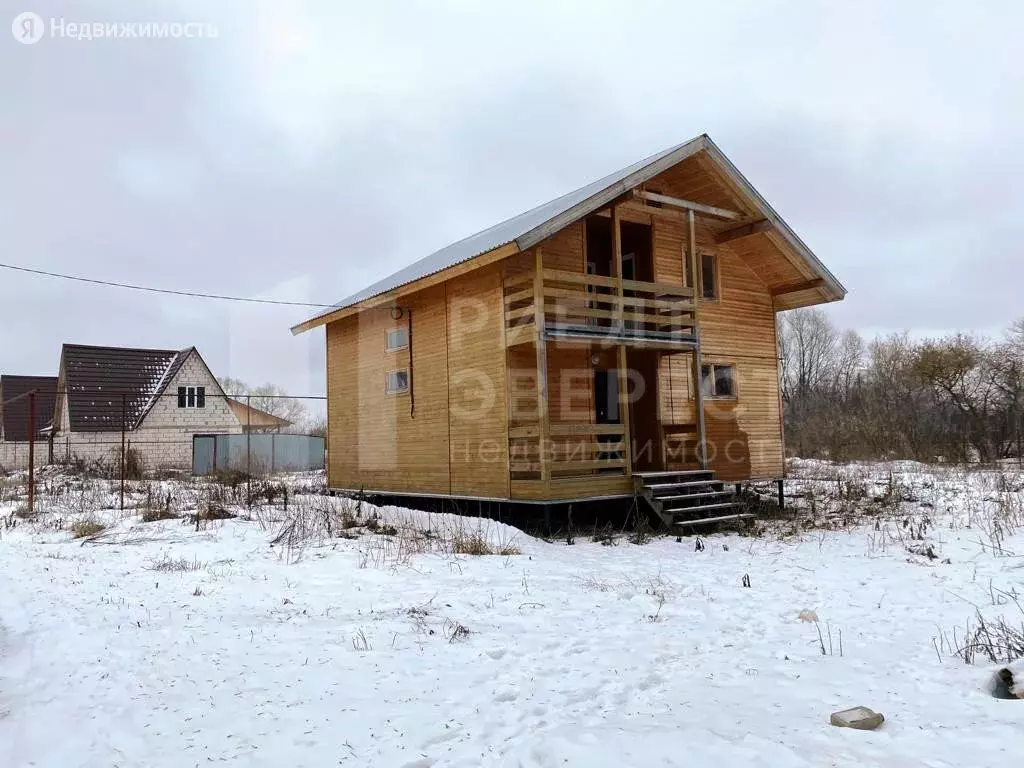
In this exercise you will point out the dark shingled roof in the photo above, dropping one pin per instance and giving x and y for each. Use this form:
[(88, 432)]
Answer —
[(15, 415), (96, 379)]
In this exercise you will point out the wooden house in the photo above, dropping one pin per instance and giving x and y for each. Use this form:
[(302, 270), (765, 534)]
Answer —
[(617, 341)]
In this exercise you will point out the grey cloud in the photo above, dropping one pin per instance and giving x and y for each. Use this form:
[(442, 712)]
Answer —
[(308, 151)]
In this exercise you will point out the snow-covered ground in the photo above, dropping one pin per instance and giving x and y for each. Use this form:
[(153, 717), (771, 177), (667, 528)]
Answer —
[(157, 644)]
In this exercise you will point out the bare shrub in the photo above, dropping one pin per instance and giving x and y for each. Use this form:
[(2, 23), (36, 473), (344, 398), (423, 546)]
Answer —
[(997, 640), (313, 520), (642, 532), (455, 631), (158, 505)]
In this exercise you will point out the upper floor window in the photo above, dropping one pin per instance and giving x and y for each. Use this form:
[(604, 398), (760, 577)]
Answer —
[(191, 397), (397, 339), (718, 380), (397, 382), (708, 276)]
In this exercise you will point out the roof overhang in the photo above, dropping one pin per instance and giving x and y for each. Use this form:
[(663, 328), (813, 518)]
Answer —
[(390, 297), (603, 193)]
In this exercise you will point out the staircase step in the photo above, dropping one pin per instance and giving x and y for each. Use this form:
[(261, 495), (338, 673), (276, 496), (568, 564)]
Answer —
[(686, 484), (710, 520), (688, 496), (699, 508), (675, 473)]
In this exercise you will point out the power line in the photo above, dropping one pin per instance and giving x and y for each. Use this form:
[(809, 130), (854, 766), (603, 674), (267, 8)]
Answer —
[(190, 294)]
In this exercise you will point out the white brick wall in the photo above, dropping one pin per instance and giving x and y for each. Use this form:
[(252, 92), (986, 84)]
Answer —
[(15, 455), (164, 438)]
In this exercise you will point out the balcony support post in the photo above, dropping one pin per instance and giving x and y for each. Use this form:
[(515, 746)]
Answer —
[(543, 424), (698, 390), (623, 381), (617, 258)]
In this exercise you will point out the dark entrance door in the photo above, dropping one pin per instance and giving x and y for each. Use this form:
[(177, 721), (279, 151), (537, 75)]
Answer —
[(643, 410)]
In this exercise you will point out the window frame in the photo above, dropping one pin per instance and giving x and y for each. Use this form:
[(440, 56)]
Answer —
[(387, 339), (388, 390), (710, 393), (688, 281), (191, 397), (716, 275)]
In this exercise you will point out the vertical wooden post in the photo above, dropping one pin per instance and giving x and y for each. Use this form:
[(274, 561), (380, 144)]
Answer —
[(542, 365), (623, 380), (31, 451), (617, 265), (698, 397)]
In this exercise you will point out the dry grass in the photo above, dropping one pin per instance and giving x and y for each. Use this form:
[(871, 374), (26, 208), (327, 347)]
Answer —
[(87, 527), (166, 564), (471, 544)]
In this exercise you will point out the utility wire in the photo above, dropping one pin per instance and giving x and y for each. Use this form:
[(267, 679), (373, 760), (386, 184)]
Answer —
[(190, 294)]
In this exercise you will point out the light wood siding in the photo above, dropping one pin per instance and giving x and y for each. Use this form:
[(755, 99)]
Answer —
[(477, 387), (745, 434), (449, 436), (376, 443), (564, 249)]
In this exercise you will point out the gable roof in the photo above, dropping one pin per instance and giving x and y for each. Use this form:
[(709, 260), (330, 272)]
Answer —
[(15, 414), (527, 229), (98, 379)]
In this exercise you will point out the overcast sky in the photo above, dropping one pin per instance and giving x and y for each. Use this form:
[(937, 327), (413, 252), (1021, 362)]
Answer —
[(309, 149)]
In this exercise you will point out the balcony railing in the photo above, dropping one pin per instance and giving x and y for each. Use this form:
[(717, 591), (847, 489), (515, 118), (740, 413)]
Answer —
[(570, 450), (574, 306)]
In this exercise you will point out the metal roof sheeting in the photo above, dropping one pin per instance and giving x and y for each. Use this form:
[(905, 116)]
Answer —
[(98, 380), (534, 225), (15, 414)]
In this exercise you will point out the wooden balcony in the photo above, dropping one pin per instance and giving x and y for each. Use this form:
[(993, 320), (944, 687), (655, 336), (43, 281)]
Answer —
[(594, 309)]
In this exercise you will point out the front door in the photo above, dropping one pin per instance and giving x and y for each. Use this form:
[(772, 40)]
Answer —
[(606, 411), (644, 426)]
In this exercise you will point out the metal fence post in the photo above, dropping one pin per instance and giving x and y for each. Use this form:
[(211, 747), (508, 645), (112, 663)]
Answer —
[(31, 451), (124, 412), (248, 449)]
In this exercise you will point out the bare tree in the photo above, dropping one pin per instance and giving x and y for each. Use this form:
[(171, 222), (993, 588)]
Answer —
[(807, 343), (268, 398)]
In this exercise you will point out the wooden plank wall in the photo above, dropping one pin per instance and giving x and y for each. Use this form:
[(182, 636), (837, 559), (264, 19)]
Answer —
[(478, 417), (375, 442), (455, 439)]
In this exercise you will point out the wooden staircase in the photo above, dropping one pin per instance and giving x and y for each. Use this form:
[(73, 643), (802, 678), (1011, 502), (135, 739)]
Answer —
[(687, 498)]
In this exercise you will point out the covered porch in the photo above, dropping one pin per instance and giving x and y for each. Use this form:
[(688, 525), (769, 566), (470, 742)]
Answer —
[(584, 351)]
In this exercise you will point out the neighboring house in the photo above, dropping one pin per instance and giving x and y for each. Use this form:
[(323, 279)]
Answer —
[(161, 398), (254, 420), (569, 353), (15, 421)]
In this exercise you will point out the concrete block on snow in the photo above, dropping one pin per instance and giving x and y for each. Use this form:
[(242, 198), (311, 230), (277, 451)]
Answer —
[(860, 718)]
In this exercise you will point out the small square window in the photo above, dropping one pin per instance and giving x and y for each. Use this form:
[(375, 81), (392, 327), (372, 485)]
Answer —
[(397, 339), (397, 382), (718, 380), (191, 397)]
